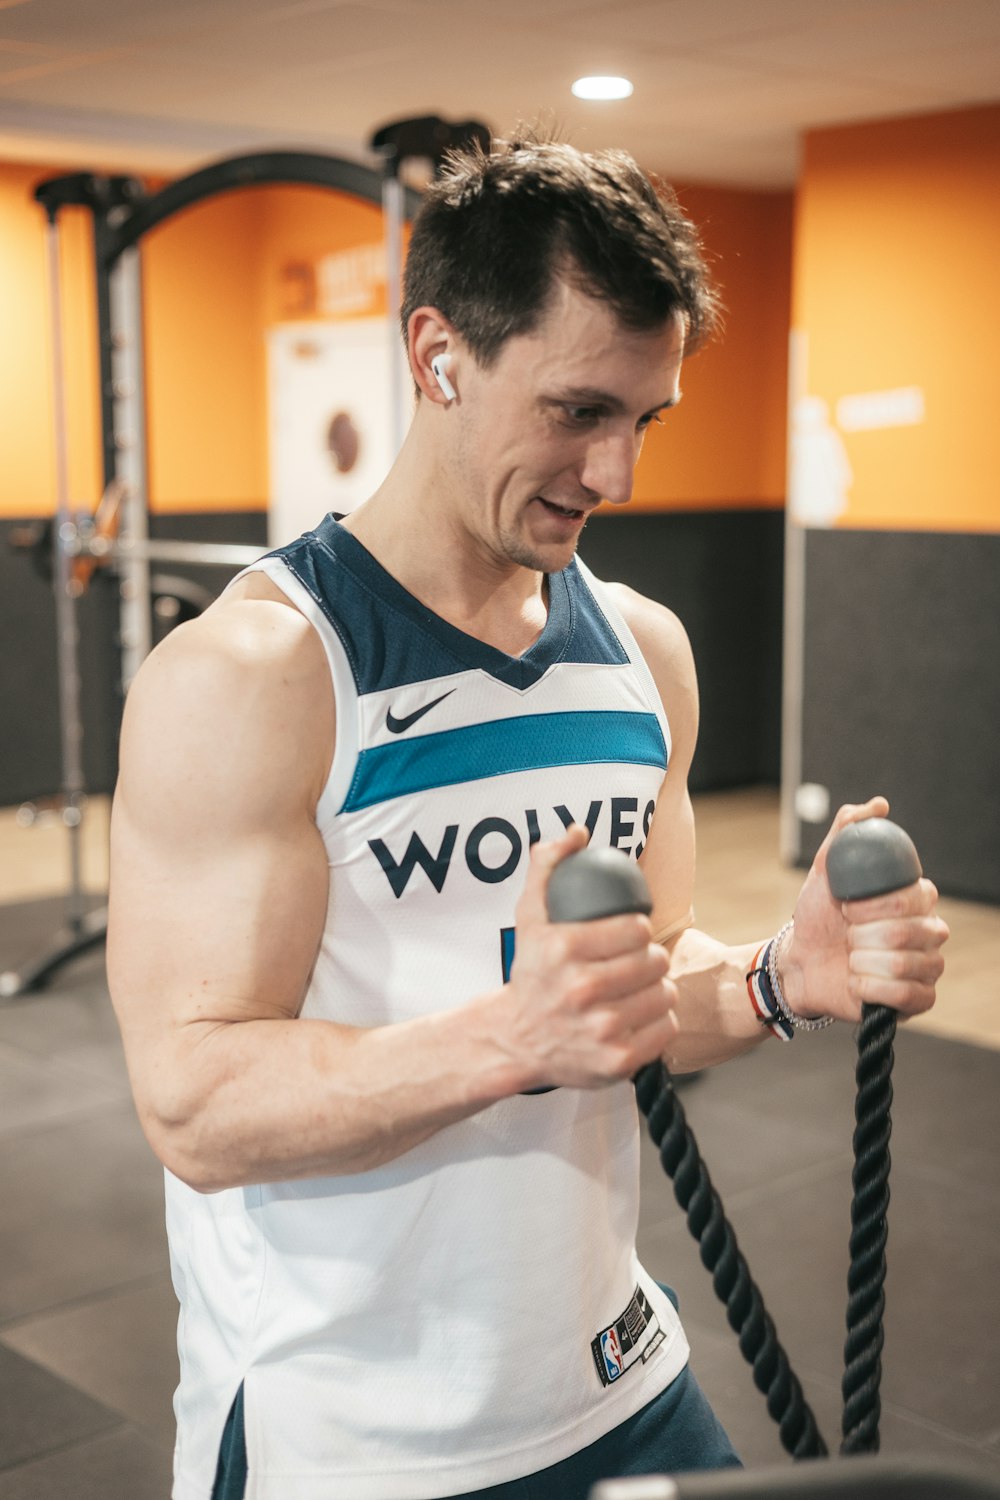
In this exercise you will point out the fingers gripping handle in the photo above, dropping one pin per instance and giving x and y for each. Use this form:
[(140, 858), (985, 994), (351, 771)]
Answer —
[(596, 883), (871, 858)]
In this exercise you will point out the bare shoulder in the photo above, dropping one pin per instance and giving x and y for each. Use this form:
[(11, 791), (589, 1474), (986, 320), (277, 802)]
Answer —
[(668, 858), (664, 644), (251, 628), (219, 875), (240, 695)]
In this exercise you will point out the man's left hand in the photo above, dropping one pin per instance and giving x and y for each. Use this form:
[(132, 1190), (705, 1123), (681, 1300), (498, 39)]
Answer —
[(883, 951)]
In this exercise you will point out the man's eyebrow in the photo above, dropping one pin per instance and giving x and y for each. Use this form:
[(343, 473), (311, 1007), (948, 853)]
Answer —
[(585, 395)]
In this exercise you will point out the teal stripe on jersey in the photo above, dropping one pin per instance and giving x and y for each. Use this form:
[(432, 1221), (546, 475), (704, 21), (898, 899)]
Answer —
[(497, 748)]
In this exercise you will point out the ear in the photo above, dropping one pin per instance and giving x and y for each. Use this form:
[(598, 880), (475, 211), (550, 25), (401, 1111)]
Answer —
[(429, 335)]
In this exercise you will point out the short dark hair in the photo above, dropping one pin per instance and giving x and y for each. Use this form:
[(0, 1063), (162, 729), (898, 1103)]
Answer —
[(497, 228)]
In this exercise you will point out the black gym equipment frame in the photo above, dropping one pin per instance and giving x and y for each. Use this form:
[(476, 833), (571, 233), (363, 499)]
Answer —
[(858, 1479), (122, 214)]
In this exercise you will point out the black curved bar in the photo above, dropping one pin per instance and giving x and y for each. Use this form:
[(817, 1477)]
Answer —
[(119, 225), (257, 169)]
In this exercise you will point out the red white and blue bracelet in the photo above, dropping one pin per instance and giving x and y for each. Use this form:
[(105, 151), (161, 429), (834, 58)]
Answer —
[(770, 1006)]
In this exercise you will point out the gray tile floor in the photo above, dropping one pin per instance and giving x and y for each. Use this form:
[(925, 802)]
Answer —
[(87, 1361)]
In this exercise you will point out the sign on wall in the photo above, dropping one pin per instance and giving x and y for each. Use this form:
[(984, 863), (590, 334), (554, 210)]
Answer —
[(845, 446)]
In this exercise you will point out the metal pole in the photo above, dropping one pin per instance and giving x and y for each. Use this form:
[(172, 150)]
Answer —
[(67, 625), (129, 434), (793, 674), (393, 207), (198, 554), (83, 543)]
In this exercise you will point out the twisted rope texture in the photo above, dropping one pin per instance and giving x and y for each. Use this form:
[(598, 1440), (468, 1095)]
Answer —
[(734, 1286), (869, 1232)]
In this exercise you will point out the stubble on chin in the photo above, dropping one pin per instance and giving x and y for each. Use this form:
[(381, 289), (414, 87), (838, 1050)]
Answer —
[(552, 559)]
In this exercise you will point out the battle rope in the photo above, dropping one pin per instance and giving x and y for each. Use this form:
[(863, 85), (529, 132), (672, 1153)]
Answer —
[(722, 1256), (869, 858), (866, 859), (869, 1231), (735, 1287)]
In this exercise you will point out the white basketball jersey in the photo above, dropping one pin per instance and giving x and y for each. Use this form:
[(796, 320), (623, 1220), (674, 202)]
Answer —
[(473, 1311)]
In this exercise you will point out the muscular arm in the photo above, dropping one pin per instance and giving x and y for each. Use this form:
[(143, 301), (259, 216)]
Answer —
[(219, 898), (885, 951), (716, 1020)]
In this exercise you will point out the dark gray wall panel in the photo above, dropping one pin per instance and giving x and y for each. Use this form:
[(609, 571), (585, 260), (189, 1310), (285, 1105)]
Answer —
[(29, 705), (29, 717), (719, 571), (902, 690)]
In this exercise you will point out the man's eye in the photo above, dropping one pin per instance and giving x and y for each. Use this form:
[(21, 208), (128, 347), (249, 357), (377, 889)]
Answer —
[(643, 422), (582, 416)]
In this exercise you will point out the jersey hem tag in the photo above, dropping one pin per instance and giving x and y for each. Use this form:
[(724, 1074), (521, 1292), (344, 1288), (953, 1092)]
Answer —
[(629, 1340)]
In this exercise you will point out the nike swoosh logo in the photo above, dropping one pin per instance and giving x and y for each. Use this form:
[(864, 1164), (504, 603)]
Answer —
[(399, 726)]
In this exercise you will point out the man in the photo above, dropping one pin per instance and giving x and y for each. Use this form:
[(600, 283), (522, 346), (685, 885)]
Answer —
[(392, 1099)]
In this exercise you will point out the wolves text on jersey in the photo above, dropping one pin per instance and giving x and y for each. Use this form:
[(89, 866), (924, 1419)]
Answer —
[(507, 843)]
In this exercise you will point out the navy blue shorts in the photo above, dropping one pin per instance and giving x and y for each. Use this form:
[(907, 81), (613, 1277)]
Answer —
[(677, 1431)]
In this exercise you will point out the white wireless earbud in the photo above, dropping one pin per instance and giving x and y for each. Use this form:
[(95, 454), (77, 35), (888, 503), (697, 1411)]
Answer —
[(439, 364)]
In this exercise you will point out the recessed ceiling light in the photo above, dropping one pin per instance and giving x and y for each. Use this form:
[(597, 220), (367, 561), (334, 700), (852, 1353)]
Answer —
[(602, 88)]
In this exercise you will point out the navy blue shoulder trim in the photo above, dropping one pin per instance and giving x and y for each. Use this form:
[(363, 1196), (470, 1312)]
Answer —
[(392, 639), (593, 638)]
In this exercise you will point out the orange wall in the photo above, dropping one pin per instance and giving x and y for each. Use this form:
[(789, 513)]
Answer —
[(724, 446), (205, 369), (213, 285), (27, 442), (302, 225), (213, 282), (205, 366), (897, 250)]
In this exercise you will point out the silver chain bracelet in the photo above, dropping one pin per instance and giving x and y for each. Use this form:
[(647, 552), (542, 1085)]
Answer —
[(801, 1023)]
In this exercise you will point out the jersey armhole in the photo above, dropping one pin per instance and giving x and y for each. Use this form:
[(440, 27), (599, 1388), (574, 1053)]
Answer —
[(630, 645), (345, 750)]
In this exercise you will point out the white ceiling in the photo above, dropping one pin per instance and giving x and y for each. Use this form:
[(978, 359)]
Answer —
[(723, 88)]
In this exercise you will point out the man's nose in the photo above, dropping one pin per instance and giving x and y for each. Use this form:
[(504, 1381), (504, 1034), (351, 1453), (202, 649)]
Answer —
[(609, 466)]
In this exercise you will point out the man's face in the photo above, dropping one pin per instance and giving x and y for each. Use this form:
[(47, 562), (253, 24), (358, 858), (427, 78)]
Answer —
[(555, 426)]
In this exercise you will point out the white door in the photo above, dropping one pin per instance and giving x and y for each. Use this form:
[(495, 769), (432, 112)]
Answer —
[(330, 420)]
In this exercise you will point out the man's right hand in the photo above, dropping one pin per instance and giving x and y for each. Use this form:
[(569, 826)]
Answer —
[(588, 1003)]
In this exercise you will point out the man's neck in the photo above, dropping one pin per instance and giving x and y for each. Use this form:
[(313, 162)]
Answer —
[(410, 529)]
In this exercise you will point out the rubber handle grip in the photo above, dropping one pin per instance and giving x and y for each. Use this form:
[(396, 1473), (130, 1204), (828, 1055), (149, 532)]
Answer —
[(871, 858), (596, 883)]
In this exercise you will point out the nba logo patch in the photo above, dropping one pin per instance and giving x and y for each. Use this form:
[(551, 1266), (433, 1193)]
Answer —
[(611, 1349), (628, 1341)]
